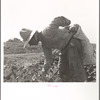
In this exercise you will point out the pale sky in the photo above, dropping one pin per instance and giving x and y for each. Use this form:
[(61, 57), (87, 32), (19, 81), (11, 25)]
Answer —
[(37, 14)]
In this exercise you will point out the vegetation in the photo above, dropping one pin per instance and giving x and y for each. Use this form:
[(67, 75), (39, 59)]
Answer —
[(26, 65), (29, 68), (15, 46)]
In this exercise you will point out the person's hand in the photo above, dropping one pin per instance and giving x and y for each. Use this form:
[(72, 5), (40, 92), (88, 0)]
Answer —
[(26, 46), (46, 67), (73, 29)]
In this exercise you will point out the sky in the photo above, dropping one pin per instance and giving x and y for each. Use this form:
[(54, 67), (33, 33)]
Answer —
[(37, 14)]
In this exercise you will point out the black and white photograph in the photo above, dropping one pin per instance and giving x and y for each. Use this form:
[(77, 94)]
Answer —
[(50, 44)]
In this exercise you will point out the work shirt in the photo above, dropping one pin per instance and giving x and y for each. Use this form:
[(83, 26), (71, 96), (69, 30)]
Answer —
[(55, 38)]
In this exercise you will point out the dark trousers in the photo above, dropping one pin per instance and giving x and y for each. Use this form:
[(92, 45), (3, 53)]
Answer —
[(71, 65)]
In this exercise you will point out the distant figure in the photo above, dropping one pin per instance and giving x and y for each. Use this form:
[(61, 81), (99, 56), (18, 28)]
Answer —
[(76, 50)]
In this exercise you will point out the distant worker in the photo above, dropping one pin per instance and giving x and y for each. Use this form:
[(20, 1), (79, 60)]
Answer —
[(76, 50)]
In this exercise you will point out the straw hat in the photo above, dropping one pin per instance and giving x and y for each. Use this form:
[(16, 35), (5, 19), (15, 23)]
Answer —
[(26, 35)]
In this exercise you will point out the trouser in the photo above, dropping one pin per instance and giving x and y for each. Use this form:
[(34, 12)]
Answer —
[(71, 65)]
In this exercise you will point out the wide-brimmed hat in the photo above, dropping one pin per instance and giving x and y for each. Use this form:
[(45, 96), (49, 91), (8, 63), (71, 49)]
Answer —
[(26, 35)]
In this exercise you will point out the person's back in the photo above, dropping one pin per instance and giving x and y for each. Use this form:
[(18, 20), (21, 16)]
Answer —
[(54, 37), (87, 48)]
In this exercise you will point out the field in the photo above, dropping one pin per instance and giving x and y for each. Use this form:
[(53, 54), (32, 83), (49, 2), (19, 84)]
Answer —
[(25, 68), (29, 68)]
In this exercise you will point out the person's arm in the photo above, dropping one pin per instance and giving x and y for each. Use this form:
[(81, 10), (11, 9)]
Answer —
[(48, 56)]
